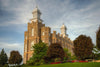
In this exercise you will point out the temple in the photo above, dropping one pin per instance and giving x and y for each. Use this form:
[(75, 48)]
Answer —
[(37, 31)]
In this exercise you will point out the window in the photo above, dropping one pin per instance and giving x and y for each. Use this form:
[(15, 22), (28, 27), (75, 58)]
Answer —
[(43, 33), (32, 44), (43, 40), (25, 47), (26, 37), (32, 32)]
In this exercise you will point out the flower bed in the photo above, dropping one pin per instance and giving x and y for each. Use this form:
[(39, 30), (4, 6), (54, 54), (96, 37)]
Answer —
[(55, 62)]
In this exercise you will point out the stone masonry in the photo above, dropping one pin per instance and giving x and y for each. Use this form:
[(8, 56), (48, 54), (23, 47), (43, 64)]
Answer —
[(37, 31)]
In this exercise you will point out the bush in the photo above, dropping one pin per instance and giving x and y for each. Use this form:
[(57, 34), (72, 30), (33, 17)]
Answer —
[(6, 65), (0, 65), (31, 62), (57, 59), (73, 57), (42, 62)]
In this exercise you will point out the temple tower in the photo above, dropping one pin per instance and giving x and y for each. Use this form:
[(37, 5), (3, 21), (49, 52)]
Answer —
[(63, 30)]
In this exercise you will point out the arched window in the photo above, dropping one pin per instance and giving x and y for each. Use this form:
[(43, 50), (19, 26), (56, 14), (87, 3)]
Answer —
[(32, 44), (32, 31)]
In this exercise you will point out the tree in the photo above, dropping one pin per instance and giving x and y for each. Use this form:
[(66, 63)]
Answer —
[(15, 57), (83, 47), (40, 50), (98, 38), (3, 57), (55, 51)]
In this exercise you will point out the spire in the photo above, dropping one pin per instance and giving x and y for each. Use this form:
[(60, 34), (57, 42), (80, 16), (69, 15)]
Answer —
[(63, 23), (35, 3), (63, 26), (63, 30), (36, 14), (36, 6)]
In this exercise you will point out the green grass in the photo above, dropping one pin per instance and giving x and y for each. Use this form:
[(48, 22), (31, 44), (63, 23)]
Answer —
[(68, 65)]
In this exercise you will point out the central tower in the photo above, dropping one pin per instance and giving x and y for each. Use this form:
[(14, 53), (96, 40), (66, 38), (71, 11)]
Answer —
[(36, 15), (33, 34)]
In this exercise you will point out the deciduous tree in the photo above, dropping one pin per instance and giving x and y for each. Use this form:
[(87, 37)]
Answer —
[(15, 57), (55, 51), (98, 38), (83, 47)]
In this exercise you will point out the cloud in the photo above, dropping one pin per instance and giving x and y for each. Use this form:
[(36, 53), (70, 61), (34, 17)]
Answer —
[(8, 47), (21, 10), (79, 21), (80, 18)]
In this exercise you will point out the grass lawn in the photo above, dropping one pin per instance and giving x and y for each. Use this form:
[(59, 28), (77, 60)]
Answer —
[(69, 65)]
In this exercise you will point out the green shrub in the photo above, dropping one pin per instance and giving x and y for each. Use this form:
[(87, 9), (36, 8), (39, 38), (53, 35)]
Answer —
[(6, 65), (0, 65), (31, 62), (73, 57), (42, 62)]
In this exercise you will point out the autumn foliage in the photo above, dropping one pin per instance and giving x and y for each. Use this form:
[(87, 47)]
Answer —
[(15, 57), (55, 51), (98, 38), (83, 47)]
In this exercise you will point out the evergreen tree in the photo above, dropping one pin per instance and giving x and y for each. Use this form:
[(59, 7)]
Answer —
[(40, 50), (3, 57), (98, 39), (83, 47)]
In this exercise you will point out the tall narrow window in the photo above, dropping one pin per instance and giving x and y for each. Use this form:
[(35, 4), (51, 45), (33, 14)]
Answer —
[(25, 47), (43, 40), (43, 33), (26, 37), (32, 44), (32, 31)]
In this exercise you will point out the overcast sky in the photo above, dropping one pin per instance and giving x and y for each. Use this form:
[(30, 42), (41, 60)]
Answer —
[(79, 16)]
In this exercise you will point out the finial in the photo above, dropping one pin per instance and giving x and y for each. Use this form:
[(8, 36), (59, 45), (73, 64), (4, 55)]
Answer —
[(36, 3), (36, 6), (63, 23)]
